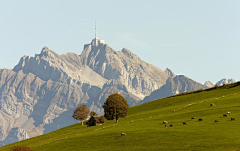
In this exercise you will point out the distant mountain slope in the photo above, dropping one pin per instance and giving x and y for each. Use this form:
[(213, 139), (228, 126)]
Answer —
[(208, 84), (225, 81), (176, 85)]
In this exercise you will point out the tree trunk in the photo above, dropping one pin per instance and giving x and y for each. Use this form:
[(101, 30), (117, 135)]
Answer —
[(116, 119), (82, 123)]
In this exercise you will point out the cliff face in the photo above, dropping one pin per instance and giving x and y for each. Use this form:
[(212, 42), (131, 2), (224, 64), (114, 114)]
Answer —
[(139, 77), (41, 92)]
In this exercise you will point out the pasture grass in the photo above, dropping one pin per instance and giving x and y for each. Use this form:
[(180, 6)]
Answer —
[(145, 130)]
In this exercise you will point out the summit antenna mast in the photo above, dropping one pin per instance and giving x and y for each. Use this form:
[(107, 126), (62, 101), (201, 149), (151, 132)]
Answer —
[(95, 29)]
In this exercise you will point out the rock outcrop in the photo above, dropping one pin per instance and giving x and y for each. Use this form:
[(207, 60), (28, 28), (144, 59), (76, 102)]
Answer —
[(170, 73)]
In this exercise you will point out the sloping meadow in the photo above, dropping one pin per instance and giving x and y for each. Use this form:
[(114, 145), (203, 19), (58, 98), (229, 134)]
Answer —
[(145, 129)]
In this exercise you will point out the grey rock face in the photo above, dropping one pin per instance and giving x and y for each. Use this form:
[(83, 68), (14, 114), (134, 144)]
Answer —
[(139, 77), (41, 92), (60, 68), (208, 84), (173, 86), (225, 81), (16, 134), (169, 73)]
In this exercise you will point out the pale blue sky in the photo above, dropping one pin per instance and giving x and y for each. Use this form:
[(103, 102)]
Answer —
[(197, 38)]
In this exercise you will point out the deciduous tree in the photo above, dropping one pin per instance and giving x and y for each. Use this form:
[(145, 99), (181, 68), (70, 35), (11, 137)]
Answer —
[(81, 113), (115, 107)]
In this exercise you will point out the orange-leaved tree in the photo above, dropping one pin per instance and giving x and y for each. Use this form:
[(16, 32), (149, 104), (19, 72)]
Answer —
[(115, 107), (81, 113)]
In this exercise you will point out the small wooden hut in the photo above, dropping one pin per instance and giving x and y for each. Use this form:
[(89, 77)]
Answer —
[(95, 121)]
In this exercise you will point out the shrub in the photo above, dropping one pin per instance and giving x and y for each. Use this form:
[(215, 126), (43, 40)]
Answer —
[(21, 148), (85, 122), (102, 119)]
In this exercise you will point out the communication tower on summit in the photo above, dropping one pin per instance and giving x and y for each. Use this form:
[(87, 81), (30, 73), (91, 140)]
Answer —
[(95, 32), (95, 29), (96, 41)]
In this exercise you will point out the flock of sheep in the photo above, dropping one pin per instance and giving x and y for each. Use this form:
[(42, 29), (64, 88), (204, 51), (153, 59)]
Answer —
[(200, 119)]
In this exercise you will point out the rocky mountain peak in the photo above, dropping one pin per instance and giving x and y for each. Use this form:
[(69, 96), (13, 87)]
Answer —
[(44, 49), (67, 68), (169, 72), (208, 84), (139, 77), (47, 52)]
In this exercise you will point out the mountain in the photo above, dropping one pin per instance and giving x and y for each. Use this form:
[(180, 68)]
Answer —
[(41, 92), (208, 84), (173, 86), (225, 81)]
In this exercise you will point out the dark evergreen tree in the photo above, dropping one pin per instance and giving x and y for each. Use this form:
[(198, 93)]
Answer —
[(92, 113)]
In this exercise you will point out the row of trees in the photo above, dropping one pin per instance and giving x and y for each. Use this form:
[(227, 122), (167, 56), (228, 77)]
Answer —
[(115, 107)]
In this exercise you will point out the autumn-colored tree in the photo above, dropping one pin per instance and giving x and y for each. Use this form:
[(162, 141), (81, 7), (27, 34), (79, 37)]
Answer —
[(20, 148), (81, 113), (92, 113), (115, 107)]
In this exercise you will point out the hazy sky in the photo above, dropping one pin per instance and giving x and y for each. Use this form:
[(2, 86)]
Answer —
[(197, 38)]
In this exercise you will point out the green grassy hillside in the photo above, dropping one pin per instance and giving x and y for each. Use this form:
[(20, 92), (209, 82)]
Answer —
[(145, 130)]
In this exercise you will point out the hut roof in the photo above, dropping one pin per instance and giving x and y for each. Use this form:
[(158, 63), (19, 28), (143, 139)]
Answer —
[(98, 119)]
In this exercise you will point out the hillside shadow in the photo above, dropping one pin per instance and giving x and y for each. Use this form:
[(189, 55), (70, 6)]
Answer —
[(118, 137)]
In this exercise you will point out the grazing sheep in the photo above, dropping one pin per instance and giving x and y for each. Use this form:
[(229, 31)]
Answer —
[(200, 119), (216, 121), (171, 125), (193, 118), (212, 104), (166, 126), (233, 119), (224, 115), (123, 134), (184, 123), (165, 122), (229, 113)]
